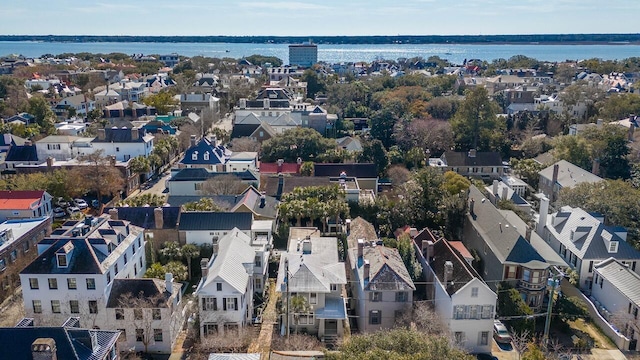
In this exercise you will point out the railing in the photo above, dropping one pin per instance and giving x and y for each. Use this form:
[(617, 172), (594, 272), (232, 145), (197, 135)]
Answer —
[(524, 284)]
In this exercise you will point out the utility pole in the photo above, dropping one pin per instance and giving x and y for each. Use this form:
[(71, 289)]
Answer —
[(286, 272), (552, 283)]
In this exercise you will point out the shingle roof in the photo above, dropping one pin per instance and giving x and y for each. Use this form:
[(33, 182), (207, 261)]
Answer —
[(360, 229), (152, 290), (243, 130), (200, 174), (354, 170), (71, 343), (505, 241), (209, 220), (569, 175), (462, 271), (621, 277), (233, 251), (461, 158), (386, 269), (145, 217)]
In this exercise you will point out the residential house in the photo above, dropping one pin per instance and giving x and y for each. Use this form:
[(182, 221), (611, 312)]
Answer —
[(311, 269), (226, 290), (582, 240), (123, 143), (365, 173), (242, 161), (20, 154), (169, 60), (205, 154), (76, 266), (81, 104), (199, 102), (294, 86), (160, 224), (24, 204), (71, 128), (459, 295), (517, 185), (616, 294), (349, 144), (575, 129), (107, 97), (126, 109), (18, 239), (188, 181), (281, 72), (148, 313), (381, 285), (500, 191), (506, 255), (63, 147), (69, 342), (207, 227), (486, 165), (21, 118), (563, 174), (132, 91)]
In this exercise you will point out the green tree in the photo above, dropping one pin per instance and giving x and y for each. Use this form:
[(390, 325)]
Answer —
[(177, 269), (39, 107), (609, 146), (140, 165), (383, 123), (527, 170), (171, 250), (156, 270), (204, 204), (162, 101), (455, 183), (574, 149), (189, 252), (314, 83), (260, 60), (475, 124), (619, 106), (408, 255), (148, 199), (305, 143), (510, 303), (306, 169), (374, 152), (298, 306)]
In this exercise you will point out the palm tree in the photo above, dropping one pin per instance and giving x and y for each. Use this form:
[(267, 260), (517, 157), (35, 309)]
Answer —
[(299, 305), (189, 251), (171, 250)]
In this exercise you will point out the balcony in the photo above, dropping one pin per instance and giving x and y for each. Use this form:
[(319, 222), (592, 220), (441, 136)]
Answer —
[(524, 284)]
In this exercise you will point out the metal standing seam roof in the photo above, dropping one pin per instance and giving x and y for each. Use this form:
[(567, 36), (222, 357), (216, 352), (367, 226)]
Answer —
[(211, 220), (234, 250), (621, 277), (569, 175)]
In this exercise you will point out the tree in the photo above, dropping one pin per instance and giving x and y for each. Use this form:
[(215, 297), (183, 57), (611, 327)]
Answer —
[(295, 342), (510, 303), (374, 152), (148, 199), (177, 269), (307, 168), (383, 123), (140, 165), (204, 204), (244, 144), (426, 133), (408, 255), (314, 83), (226, 184), (163, 101), (527, 170), (96, 174), (39, 107), (619, 106), (189, 251), (475, 124), (296, 143), (171, 250), (156, 270), (609, 146), (422, 317), (574, 149), (455, 183), (298, 306), (397, 344), (260, 60)]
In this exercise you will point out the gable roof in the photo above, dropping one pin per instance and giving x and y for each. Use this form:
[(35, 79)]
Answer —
[(621, 277), (216, 154), (386, 269), (123, 135), (201, 174), (501, 237), (71, 343), (243, 130), (19, 199), (233, 251), (367, 170), (463, 273), (266, 128), (144, 217), (152, 290), (462, 158), (360, 229), (569, 175), (210, 220)]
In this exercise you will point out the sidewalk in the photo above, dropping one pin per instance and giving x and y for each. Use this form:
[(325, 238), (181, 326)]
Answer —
[(269, 318)]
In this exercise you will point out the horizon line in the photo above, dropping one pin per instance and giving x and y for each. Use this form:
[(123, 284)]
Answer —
[(318, 35)]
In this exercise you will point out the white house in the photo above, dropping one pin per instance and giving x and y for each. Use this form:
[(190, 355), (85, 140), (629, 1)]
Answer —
[(123, 143), (461, 298), (583, 240), (188, 181), (76, 267), (311, 269), (24, 204), (81, 104), (208, 227), (62, 147), (225, 292), (616, 291)]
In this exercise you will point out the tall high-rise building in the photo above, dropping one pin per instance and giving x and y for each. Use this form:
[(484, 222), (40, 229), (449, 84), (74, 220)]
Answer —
[(304, 55)]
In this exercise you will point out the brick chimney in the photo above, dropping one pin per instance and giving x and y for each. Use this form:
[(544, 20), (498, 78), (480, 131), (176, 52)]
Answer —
[(448, 273), (360, 248), (101, 134), (158, 217), (135, 134), (44, 349), (193, 140), (366, 269), (113, 213), (204, 263)]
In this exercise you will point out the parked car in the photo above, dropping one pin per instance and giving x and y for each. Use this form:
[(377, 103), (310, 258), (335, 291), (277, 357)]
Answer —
[(73, 210), (58, 213), (62, 202), (500, 333), (81, 204), (485, 357)]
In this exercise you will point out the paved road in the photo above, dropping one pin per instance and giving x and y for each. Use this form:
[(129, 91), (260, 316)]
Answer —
[(157, 186)]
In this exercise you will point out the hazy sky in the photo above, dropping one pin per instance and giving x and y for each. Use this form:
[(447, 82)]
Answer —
[(307, 18)]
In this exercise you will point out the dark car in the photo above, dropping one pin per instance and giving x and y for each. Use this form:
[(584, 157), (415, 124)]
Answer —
[(500, 333), (485, 357)]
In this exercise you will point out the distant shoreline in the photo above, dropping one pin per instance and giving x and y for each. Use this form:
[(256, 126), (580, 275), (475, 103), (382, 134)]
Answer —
[(550, 39)]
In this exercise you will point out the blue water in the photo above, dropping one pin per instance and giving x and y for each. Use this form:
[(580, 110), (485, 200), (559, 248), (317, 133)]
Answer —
[(335, 53)]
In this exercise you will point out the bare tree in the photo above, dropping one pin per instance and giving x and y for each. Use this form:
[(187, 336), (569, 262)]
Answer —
[(223, 185), (422, 318), (141, 317), (98, 174), (229, 341), (244, 144), (296, 342), (520, 342)]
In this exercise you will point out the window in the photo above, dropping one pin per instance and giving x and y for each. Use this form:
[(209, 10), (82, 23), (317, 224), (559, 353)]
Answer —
[(613, 247), (402, 296), (117, 149), (53, 284), (218, 286), (115, 269), (33, 283), (109, 277), (135, 269), (459, 337), (25, 246), (13, 256), (473, 312), (206, 155), (375, 317), (119, 314), (376, 296), (37, 306), (458, 312), (157, 335), (194, 155), (55, 306), (305, 319), (141, 263), (91, 284), (93, 307), (139, 335), (230, 304), (313, 298), (134, 248), (487, 311), (156, 314), (62, 260), (125, 259), (210, 329), (474, 292), (137, 314), (334, 287), (74, 306), (590, 266), (72, 284), (484, 338), (209, 304), (257, 283), (258, 261)]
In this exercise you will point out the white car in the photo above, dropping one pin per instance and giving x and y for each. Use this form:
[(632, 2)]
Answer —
[(81, 203), (73, 210), (58, 213)]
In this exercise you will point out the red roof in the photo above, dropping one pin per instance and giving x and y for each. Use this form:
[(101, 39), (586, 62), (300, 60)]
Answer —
[(273, 168), (461, 249), (19, 200)]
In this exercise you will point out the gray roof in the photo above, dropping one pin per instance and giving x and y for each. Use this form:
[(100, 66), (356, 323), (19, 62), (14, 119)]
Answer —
[(360, 229), (503, 238), (233, 251), (386, 269), (621, 277), (569, 175), (150, 289), (463, 273), (462, 158), (584, 235), (211, 220)]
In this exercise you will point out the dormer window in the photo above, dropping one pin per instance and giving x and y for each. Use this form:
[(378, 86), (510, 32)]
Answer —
[(62, 260), (613, 247), (206, 155), (194, 155)]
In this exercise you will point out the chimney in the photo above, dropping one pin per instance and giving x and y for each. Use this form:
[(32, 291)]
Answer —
[(204, 267), (472, 153), (348, 223), (263, 200), (306, 246), (366, 268), (50, 161), (505, 193), (544, 212), (216, 246), (112, 160), (360, 248), (472, 202), (113, 213), (527, 235), (193, 140), (430, 249), (554, 178), (448, 273), (158, 217), (134, 133), (280, 162), (168, 282), (494, 190), (44, 349), (595, 166), (101, 134)]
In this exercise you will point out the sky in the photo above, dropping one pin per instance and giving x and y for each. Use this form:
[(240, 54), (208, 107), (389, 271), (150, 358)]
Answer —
[(308, 18)]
